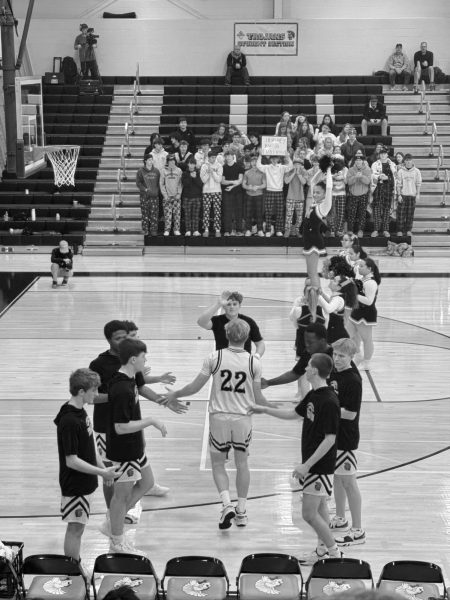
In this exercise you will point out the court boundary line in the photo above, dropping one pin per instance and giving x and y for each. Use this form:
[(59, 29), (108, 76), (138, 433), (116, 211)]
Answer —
[(19, 296)]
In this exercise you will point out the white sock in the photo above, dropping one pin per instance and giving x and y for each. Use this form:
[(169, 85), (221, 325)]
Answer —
[(333, 551), (117, 539), (241, 504), (225, 497)]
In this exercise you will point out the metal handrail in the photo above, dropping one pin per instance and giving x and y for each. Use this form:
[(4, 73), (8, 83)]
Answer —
[(439, 163), (123, 168), (138, 80), (119, 188), (423, 92), (132, 132), (427, 118), (114, 212), (445, 187), (127, 140), (135, 99), (434, 134)]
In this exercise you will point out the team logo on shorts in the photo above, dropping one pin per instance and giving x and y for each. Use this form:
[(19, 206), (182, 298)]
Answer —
[(196, 588), (347, 466), (318, 486), (409, 591), (130, 472), (333, 587), (78, 513), (268, 585), (55, 586), (128, 582)]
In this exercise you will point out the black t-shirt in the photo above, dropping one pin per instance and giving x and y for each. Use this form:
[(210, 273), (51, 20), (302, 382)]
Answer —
[(232, 172), (107, 365), (218, 328), (423, 58), (348, 387), (320, 412), (123, 400), (75, 436)]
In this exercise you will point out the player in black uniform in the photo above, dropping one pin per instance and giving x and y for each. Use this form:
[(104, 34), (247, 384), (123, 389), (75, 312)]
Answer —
[(320, 412), (79, 463), (347, 384), (125, 444)]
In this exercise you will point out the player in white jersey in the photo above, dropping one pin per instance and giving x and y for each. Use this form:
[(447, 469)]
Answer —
[(236, 387)]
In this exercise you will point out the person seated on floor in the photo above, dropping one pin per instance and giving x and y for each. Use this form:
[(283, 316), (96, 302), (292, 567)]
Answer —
[(62, 263), (398, 65), (351, 146), (423, 67), (186, 133), (374, 115), (183, 155), (237, 65)]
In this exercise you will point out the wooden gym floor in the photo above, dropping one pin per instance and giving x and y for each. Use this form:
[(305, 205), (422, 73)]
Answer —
[(404, 450)]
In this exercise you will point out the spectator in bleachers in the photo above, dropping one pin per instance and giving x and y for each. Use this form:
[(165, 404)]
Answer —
[(374, 114), (183, 155), (147, 181), (274, 199), (383, 185), (201, 156), (186, 134), (237, 65), (285, 128), (423, 67), (243, 138), (236, 146), (336, 216), (302, 118), (246, 157), (359, 178), (328, 147), (170, 184), (409, 182), (375, 154), (351, 146), (295, 199), (254, 141), (398, 64), (327, 119), (303, 147), (211, 175), (303, 131), (191, 196), (215, 143), (174, 142), (232, 203), (221, 132), (86, 44), (320, 134), (61, 263), (254, 184), (399, 159), (159, 154), (342, 137), (153, 137)]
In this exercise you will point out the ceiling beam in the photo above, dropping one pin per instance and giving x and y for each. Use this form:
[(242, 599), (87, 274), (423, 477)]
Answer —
[(186, 8), (98, 8)]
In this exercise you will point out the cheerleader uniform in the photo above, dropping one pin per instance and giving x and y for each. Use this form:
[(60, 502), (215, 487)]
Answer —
[(366, 313), (336, 310), (313, 228)]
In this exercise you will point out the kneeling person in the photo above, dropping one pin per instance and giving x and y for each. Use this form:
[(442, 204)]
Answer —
[(235, 388), (62, 263)]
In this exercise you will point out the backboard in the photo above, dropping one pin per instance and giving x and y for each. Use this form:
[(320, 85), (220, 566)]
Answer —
[(30, 126)]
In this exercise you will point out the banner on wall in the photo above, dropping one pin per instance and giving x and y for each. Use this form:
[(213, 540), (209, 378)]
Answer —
[(266, 38), (273, 145)]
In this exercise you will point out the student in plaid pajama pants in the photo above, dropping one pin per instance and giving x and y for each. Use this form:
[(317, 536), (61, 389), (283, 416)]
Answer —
[(359, 177), (274, 200), (171, 190), (409, 181), (147, 181), (383, 177), (192, 197), (339, 197), (211, 175), (295, 199)]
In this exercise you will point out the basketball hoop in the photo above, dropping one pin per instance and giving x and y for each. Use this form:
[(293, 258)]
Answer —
[(64, 162)]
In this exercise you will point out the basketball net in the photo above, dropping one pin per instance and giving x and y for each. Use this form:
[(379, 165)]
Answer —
[(64, 162)]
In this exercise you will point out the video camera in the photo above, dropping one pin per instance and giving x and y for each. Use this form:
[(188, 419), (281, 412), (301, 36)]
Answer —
[(91, 38)]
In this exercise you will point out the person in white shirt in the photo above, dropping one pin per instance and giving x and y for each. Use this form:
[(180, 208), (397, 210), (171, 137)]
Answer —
[(211, 174), (235, 388), (274, 199)]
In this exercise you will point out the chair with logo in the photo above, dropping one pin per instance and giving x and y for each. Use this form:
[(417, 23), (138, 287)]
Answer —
[(195, 576), (54, 575), (332, 576), (112, 571), (266, 574), (413, 579)]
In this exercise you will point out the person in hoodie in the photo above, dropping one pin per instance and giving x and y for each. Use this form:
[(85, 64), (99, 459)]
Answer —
[(359, 177), (170, 184), (398, 64), (409, 181), (211, 175), (79, 464), (274, 200), (337, 213), (191, 197), (147, 182), (186, 133), (383, 185), (183, 155), (159, 154)]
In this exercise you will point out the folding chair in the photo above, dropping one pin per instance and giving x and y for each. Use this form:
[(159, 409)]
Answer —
[(412, 579), (266, 574), (196, 576), (11, 579), (335, 575), (54, 574), (117, 570)]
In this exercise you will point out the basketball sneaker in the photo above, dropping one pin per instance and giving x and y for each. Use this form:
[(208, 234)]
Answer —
[(125, 547), (241, 519), (54, 284), (310, 558), (133, 515), (158, 490), (339, 524), (354, 537), (226, 516)]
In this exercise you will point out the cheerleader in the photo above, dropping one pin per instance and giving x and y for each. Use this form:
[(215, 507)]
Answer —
[(317, 207), (364, 317), (347, 241), (343, 295)]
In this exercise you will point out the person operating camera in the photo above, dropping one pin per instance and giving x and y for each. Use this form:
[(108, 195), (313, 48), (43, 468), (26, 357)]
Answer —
[(85, 43)]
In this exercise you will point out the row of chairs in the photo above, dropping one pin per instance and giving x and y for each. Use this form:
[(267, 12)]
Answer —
[(75, 128), (39, 577), (270, 79), (73, 118), (73, 90), (47, 239)]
